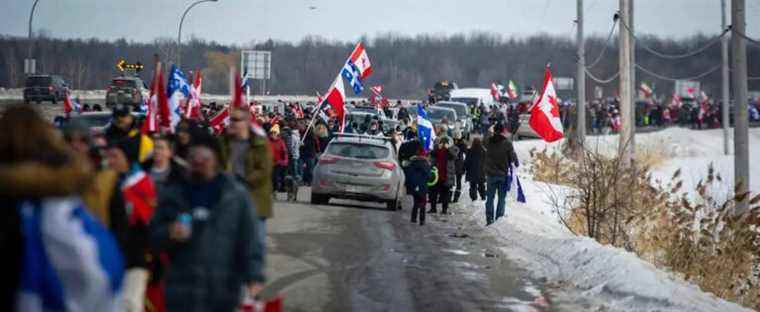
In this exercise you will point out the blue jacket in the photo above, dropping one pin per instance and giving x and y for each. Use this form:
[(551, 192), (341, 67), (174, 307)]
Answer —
[(417, 175)]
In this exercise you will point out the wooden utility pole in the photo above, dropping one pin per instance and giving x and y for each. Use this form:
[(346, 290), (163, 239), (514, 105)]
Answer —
[(726, 96), (626, 106), (580, 83), (741, 122)]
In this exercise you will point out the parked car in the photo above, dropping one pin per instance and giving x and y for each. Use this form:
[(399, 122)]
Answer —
[(464, 120), (126, 90), (359, 167), (40, 88), (524, 130)]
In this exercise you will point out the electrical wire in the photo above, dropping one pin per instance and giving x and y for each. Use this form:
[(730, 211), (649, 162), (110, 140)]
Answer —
[(606, 45), (656, 75), (743, 35), (711, 43), (602, 81)]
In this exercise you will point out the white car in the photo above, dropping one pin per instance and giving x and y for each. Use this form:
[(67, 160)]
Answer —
[(473, 97)]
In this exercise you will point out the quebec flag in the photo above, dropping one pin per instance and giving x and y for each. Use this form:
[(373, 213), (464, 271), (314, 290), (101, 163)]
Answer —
[(352, 74), (425, 129), (70, 261), (177, 84)]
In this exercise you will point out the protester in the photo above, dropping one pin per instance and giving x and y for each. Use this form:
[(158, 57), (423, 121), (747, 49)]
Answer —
[(418, 173), (208, 225), (164, 168), (294, 153), (50, 241), (444, 158), (499, 156), (461, 146), (122, 125), (309, 153), (279, 158), (474, 169)]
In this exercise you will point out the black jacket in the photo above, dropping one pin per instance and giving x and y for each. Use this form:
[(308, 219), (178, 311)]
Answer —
[(474, 165), (500, 153)]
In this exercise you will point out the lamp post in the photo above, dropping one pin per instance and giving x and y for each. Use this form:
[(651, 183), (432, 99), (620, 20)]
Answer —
[(179, 33), (27, 63)]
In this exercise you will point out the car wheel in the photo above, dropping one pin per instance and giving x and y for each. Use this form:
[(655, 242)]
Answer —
[(392, 205), (54, 101), (319, 199)]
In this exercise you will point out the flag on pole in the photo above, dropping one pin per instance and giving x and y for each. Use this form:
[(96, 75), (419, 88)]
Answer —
[(139, 193), (352, 74), (495, 91), (336, 97), (157, 103), (360, 59), (544, 116), (425, 129), (220, 121), (177, 89), (237, 92), (193, 110), (70, 105), (646, 89), (512, 90)]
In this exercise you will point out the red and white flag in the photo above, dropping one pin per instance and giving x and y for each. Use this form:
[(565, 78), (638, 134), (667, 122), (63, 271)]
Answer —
[(377, 90), (544, 116), (139, 193), (153, 118), (70, 106), (495, 91), (193, 109), (336, 97), (360, 58), (676, 101), (220, 121), (237, 92)]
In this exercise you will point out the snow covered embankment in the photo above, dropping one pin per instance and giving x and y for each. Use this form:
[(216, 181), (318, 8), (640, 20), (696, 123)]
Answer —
[(534, 237)]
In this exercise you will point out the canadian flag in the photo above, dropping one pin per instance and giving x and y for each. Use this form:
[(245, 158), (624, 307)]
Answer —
[(495, 91), (139, 194), (336, 97), (237, 95), (193, 110), (220, 121), (544, 116), (70, 106), (361, 60), (153, 118)]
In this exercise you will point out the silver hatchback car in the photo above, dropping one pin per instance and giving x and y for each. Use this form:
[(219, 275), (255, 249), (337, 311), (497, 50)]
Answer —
[(359, 167)]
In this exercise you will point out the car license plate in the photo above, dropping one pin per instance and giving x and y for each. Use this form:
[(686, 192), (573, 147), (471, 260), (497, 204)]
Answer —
[(353, 189)]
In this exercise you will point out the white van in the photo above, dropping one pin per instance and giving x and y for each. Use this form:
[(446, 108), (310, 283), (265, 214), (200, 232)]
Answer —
[(473, 96)]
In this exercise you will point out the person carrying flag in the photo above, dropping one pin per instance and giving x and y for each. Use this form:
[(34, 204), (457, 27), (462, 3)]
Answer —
[(500, 155)]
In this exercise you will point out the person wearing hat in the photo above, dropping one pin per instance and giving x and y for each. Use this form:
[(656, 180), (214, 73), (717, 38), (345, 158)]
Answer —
[(500, 154), (208, 225), (279, 158), (122, 123)]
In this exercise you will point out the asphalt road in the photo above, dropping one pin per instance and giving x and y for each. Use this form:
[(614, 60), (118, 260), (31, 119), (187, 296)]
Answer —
[(352, 256)]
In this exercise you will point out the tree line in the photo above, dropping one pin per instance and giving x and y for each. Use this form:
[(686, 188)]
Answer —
[(405, 65)]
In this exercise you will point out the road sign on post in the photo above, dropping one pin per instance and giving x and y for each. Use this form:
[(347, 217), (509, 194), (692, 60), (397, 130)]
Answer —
[(30, 66), (257, 65)]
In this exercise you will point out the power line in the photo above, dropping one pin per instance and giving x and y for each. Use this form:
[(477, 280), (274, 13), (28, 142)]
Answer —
[(740, 34), (600, 80), (711, 43), (606, 45), (696, 77)]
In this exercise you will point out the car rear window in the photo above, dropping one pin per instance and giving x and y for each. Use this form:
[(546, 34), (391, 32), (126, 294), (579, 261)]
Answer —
[(38, 81), (468, 101), (124, 83), (461, 110), (360, 151), (438, 114)]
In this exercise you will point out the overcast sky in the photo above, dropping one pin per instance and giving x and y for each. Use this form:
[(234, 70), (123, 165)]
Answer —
[(242, 21)]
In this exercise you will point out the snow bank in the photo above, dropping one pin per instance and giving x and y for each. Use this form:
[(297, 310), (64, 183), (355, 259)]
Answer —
[(534, 237)]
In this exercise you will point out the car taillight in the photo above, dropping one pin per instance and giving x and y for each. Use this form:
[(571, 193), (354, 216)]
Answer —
[(50, 88), (385, 165), (327, 159)]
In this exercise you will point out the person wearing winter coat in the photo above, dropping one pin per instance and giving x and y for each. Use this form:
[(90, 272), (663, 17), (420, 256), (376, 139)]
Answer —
[(310, 150), (475, 169), (444, 159), (279, 158), (500, 154), (461, 146), (208, 227), (418, 173)]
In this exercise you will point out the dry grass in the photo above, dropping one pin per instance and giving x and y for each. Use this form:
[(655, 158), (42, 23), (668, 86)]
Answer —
[(705, 241)]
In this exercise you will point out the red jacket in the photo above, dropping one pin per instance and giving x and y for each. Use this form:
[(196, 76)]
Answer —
[(279, 152)]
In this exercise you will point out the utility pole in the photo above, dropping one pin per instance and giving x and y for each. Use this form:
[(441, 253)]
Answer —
[(580, 81), (726, 97), (634, 87), (626, 106), (741, 122)]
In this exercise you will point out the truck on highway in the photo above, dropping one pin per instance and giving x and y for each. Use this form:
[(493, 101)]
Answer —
[(130, 90)]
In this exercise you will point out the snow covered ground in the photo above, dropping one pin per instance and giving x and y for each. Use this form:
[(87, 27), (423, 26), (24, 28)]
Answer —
[(535, 238)]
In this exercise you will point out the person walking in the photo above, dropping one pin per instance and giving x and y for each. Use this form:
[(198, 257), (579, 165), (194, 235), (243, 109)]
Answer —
[(475, 170), (418, 173), (500, 154), (461, 146), (279, 158), (208, 227), (444, 158)]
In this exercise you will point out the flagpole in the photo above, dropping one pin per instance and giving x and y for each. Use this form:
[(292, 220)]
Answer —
[(313, 117)]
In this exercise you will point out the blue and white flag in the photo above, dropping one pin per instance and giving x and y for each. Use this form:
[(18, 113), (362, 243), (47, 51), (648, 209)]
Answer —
[(514, 179), (425, 129), (352, 74), (71, 262), (177, 84)]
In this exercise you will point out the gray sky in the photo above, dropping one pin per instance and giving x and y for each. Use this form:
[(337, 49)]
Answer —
[(242, 21)]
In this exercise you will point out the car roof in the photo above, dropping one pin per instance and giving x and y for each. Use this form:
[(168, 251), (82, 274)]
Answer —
[(126, 78), (441, 108), (451, 103), (362, 139), (470, 92)]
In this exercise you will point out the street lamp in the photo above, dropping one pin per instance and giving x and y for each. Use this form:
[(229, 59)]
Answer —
[(31, 16), (179, 33)]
